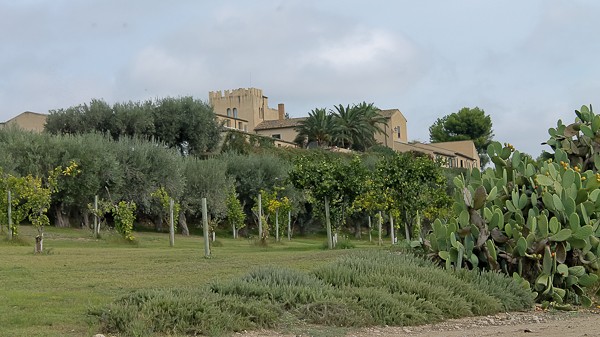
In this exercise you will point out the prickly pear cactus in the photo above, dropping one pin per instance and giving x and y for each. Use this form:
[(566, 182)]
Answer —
[(537, 221)]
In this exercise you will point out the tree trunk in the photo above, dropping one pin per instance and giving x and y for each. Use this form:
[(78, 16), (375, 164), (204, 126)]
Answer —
[(357, 230), (61, 218), (407, 228), (158, 223), (85, 217), (183, 223), (39, 243)]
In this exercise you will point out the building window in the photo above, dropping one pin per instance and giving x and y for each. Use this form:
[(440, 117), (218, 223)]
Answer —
[(235, 115), (228, 123), (228, 112), (240, 126), (276, 136), (246, 128)]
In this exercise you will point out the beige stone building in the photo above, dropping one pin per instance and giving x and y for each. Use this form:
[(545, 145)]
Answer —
[(247, 110), (243, 109), (30, 121), (280, 129), (449, 153), (465, 150), (395, 129)]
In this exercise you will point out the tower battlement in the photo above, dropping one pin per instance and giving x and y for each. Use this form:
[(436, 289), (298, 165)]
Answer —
[(241, 92)]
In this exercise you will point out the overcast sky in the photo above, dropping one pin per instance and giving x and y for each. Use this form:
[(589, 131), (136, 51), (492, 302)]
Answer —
[(525, 63)]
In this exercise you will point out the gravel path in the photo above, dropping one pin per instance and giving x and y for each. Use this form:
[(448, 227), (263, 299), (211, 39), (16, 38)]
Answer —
[(528, 324)]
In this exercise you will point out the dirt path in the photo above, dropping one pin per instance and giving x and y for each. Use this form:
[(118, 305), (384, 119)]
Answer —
[(526, 324), (561, 324)]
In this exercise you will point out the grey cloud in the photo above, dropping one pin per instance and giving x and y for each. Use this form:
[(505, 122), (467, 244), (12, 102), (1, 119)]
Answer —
[(525, 63), (297, 54)]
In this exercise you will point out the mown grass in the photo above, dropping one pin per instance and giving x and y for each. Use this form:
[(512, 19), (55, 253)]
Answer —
[(83, 285), (51, 294), (358, 289)]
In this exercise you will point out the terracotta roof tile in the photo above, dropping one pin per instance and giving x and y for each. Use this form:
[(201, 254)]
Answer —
[(421, 147), (388, 113), (279, 123)]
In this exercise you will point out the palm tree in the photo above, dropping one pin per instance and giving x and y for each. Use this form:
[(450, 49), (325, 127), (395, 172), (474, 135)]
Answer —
[(317, 127), (372, 115), (355, 126), (348, 125)]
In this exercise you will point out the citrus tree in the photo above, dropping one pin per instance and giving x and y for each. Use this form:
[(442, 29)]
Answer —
[(411, 183), (30, 199), (276, 205), (164, 199), (329, 183), (235, 212)]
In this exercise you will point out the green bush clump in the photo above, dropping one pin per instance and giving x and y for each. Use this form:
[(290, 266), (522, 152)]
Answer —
[(363, 288), (189, 311), (512, 295), (408, 274)]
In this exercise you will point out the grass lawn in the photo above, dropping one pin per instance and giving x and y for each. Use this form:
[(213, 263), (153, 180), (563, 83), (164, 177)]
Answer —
[(50, 294)]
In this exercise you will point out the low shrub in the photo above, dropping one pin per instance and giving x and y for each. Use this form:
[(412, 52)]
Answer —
[(16, 241), (189, 311), (360, 289), (342, 244), (345, 244), (408, 274), (512, 295)]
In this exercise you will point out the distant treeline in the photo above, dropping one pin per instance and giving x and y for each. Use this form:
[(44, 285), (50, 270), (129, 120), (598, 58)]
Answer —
[(184, 123), (132, 168)]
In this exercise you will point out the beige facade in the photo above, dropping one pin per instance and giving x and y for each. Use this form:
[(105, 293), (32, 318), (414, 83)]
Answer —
[(446, 152), (234, 123), (246, 105), (453, 154), (247, 110), (30, 121), (395, 130), (284, 129), (465, 147)]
